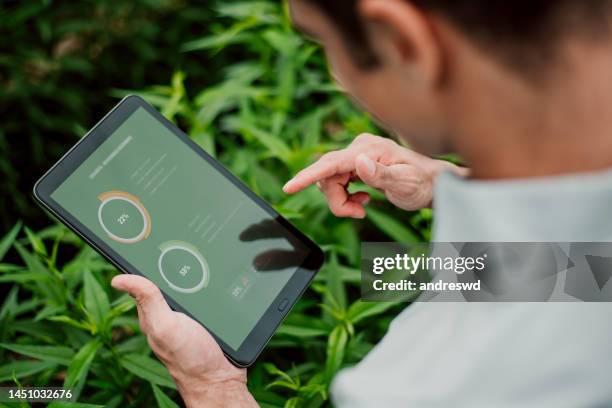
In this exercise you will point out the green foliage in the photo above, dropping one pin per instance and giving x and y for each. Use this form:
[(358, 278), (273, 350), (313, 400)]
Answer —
[(58, 61), (254, 94)]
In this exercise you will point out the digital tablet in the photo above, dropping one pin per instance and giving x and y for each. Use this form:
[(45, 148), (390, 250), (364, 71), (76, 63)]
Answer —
[(151, 201)]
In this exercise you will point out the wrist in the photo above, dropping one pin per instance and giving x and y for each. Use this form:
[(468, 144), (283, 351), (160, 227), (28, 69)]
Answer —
[(232, 392), (214, 387)]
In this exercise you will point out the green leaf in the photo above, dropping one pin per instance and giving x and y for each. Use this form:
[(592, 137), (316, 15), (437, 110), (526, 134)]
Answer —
[(47, 311), (22, 369), (272, 369), (173, 105), (79, 366), (9, 306), (118, 310), (346, 274), (28, 305), (163, 401), (147, 368), (8, 239), (348, 239), (95, 299), (283, 384), (55, 354), (36, 242), (23, 277), (361, 310), (336, 347), (262, 10), (219, 41), (37, 330), (275, 145), (335, 296), (391, 226), (73, 405), (6, 267), (53, 290), (303, 326), (70, 321), (294, 402), (301, 331), (132, 344)]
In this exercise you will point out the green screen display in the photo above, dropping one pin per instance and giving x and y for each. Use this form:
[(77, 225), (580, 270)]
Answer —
[(185, 226)]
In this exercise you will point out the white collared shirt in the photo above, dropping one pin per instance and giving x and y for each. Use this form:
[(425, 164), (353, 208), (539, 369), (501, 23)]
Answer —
[(498, 354)]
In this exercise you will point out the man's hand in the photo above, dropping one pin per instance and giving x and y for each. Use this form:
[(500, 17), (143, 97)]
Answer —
[(405, 177), (203, 375)]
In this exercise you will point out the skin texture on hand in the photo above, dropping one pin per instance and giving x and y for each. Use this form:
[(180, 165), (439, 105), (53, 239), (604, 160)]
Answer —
[(203, 375), (404, 176)]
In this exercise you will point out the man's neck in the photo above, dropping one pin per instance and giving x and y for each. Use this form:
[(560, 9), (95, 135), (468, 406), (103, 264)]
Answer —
[(514, 128)]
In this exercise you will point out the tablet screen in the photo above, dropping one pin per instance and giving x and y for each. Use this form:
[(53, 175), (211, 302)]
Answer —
[(173, 216)]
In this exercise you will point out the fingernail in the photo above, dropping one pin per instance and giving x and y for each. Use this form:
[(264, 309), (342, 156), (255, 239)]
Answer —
[(287, 185), (114, 282), (369, 163)]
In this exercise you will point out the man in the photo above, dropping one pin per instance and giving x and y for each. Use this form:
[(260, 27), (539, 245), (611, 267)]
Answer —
[(522, 90)]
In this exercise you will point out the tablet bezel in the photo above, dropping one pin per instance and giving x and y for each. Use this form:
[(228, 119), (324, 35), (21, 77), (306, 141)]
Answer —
[(265, 328)]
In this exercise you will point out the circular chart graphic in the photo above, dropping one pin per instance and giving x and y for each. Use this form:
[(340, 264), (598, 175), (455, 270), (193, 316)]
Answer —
[(183, 267), (123, 217)]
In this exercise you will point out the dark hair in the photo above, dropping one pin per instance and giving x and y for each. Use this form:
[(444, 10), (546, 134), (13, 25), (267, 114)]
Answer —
[(521, 33)]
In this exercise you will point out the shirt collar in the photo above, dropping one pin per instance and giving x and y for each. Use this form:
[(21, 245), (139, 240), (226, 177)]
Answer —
[(568, 208)]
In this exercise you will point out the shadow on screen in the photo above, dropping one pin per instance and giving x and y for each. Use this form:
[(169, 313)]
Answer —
[(276, 259)]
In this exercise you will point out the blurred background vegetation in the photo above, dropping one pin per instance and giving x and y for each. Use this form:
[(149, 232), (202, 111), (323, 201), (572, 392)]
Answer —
[(237, 78)]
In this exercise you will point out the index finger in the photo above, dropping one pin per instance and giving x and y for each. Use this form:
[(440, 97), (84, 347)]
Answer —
[(327, 166)]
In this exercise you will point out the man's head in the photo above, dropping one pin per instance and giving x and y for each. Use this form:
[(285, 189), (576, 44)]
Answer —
[(418, 65)]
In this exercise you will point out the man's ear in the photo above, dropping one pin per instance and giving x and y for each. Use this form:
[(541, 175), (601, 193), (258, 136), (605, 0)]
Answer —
[(404, 35)]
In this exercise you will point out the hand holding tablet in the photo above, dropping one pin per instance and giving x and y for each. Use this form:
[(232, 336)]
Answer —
[(155, 204)]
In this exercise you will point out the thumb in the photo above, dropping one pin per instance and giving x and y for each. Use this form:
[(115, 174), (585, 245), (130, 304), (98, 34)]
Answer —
[(370, 172), (151, 303)]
